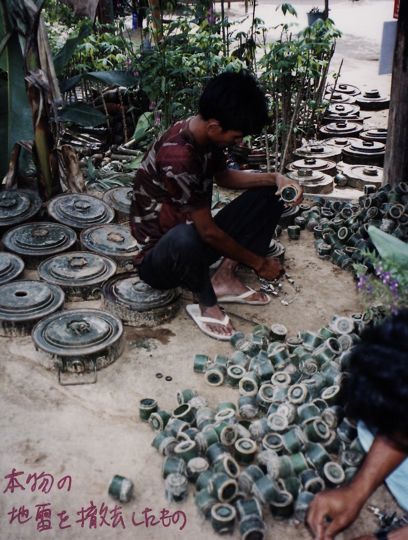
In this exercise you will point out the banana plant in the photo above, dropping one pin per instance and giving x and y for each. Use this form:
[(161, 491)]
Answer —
[(29, 87)]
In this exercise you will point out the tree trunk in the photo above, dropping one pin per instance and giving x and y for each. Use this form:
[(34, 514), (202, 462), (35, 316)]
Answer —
[(396, 155), (326, 9)]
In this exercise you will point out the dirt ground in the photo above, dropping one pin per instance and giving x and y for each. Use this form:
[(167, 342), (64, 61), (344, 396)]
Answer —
[(93, 432)]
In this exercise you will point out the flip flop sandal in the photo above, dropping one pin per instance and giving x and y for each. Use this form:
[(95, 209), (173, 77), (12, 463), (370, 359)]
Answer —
[(194, 312), (242, 298)]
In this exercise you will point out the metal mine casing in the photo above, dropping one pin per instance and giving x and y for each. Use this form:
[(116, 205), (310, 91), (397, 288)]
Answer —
[(80, 340), (17, 206), (312, 181), (341, 128), (320, 151), (120, 199), (372, 100), (345, 88), (360, 176), (378, 135), (39, 240), (314, 164), (360, 152), (11, 267), (342, 111), (80, 273), (112, 240), (339, 97), (138, 304), (79, 211), (23, 303)]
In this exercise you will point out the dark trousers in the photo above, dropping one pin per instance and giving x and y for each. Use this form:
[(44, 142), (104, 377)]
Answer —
[(181, 257)]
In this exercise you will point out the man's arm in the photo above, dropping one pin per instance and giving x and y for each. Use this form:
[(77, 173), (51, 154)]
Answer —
[(212, 235), (333, 511), (233, 179)]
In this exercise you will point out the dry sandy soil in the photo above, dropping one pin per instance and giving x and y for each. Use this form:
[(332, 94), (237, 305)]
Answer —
[(93, 432)]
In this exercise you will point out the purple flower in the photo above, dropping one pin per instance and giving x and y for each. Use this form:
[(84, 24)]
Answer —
[(362, 281)]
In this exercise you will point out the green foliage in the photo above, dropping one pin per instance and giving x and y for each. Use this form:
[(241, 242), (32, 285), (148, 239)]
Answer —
[(82, 115), (174, 72)]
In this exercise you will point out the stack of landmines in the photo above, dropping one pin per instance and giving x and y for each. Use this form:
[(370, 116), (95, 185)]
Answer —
[(341, 228), (287, 439)]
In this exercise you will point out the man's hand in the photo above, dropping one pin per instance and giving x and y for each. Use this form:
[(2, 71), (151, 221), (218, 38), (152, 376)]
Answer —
[(282, 182), (333, 511), (270, 269)]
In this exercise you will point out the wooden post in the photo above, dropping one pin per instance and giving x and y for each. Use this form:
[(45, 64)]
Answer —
[(326, 9), (396, 155)]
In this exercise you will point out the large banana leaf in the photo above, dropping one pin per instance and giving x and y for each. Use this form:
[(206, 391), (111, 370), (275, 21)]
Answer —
[(65, 54), (113, 78), (15, 111), (82, 115), (389, 247)]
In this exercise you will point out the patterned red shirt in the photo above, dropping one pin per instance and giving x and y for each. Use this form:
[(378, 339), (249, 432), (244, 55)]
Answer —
[(175, 177)]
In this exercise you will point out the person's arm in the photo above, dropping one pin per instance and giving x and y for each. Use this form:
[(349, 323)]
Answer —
[(233, 179), (212, 235), (333, 511)]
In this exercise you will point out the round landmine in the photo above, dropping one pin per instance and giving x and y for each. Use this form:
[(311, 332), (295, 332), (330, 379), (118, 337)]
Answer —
[(282, 505), (23, 303), (245, 450), (316, 431), (339, 97), (184, 412), (234, 375), (344, 88), (370, 152), (360, 176), (138, 304), (342, 111), (159, 420), (302, 505), (121, 488), (265, 489), (311, 481), (375, 134), (314, 164), (79, 211), (112, 240), (164, 442), (204, 502), (290, 193), (333, 474), (222, 487), (195, 467), (80, 274), (248, 507), (37, 241), (186, 395), (120, 199), (200, 363), (11, 267), (147, 406), (341, 128), (294, 232), (80, 340), (176, 487), (223, 518), (276, 250), (319, 151), (278, 332), (17, 206), (372, 100), (252, 527), (173, 465), (215, 375), (313, 182), (228, 466), (186, 450)]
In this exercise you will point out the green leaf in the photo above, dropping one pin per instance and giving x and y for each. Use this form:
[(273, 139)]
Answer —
[(113, 78), (16, 123), (68, 84), (389, 247), (82, 114), (144, 124), (65, 54)]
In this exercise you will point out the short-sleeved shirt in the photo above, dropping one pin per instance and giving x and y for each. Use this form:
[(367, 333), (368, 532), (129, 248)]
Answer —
[(175, 177)]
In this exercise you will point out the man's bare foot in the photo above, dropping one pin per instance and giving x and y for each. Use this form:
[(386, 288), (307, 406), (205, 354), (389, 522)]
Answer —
[(226, 283), (215, 312)]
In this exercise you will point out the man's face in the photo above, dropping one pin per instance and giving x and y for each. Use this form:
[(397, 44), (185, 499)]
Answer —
[(223, 138)]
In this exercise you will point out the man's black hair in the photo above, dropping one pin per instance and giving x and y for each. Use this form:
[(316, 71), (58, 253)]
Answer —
[(236, 101), (377, 390)]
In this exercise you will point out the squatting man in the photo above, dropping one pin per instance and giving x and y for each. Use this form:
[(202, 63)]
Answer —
[(376, 394), (171, 218)]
